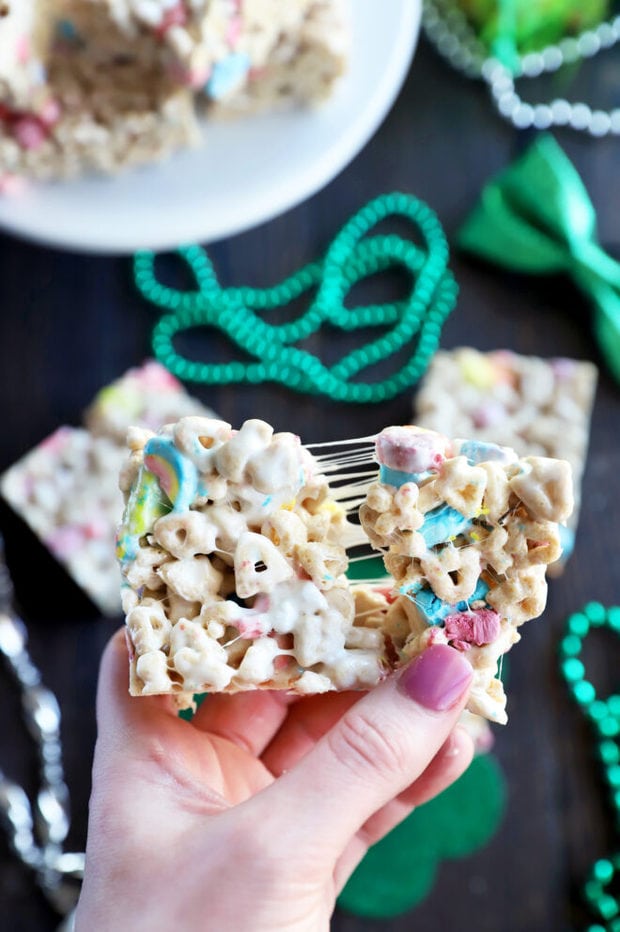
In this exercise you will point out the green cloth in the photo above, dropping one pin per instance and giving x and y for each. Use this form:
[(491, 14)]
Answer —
[(399, 871), (537, 217)]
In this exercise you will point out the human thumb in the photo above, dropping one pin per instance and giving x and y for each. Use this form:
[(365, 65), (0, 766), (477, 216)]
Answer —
[(381, 745)]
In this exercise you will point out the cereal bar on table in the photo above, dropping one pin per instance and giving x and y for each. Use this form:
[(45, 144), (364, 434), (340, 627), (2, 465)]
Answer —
[(467, 530), (231, 550), (540, 407), (234, 577), (146, 395), (66, 489)]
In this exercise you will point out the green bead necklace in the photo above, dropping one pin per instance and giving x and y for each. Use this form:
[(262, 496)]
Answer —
[(415, 321), (604, 714)]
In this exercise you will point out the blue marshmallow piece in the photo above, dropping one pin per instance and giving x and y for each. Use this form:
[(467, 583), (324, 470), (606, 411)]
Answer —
[(477, 451), (567, 540), (66, 30), (226, 74), (442, 524), (395, 477), (433, 609)]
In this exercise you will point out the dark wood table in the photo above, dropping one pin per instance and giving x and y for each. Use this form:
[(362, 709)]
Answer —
[(70, 324)]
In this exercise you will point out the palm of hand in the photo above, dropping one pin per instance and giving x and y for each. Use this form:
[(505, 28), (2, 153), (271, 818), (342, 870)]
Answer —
[(181, 787), (244, 817)]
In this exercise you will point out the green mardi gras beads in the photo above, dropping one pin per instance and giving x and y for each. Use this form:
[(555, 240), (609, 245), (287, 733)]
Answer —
[(413, 322), (604, 714)]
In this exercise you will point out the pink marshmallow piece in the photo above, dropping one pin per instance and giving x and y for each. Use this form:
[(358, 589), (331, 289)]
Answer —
[(233, 32), (198, 77), (29, 132), (64, 541), (490, 413), (408, 449), (563, 368), (96, 528), (252, 626), (23, 49), (175, 16), (155, 376), (12, 185), (475, 628), (50, 112), (56, 441)]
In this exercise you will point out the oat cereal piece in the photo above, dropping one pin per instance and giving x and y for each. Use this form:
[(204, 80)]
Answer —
[(240, 525), (66, 489), (539, 407), (468, 560)]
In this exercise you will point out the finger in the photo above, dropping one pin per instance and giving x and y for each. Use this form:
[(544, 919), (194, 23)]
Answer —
[(145, 737), (306, 723), (450, 762), (121, 717), (249, 719), (378, 748)]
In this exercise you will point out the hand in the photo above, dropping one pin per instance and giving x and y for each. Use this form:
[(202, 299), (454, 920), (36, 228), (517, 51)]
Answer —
[(254, 815)]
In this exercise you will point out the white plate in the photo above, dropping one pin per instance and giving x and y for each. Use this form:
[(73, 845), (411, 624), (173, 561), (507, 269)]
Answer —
[(248, 171)]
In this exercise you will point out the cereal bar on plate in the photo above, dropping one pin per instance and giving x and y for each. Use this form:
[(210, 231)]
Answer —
[(221, 48), (105, 84), (103, 101)]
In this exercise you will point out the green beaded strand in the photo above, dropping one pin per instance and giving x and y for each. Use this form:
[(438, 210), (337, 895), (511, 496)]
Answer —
[(604, 714), (352, 256)]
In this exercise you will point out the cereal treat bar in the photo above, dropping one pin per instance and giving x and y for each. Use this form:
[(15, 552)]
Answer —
[(540, 407), (106, 84), (24, 38), (27, 106), (66, 489), (467, 530), (221, 47), (233, 570), (148, 396), (301, 67), (104, 105)]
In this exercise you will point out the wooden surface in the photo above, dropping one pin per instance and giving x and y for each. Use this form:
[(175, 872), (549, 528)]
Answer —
[(70, 324)]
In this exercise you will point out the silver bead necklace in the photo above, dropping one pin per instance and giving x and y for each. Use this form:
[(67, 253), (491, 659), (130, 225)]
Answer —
[(36, 834), (448, 29)]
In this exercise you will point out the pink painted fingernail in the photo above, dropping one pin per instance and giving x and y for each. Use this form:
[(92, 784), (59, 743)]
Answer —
[(436, 678)]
